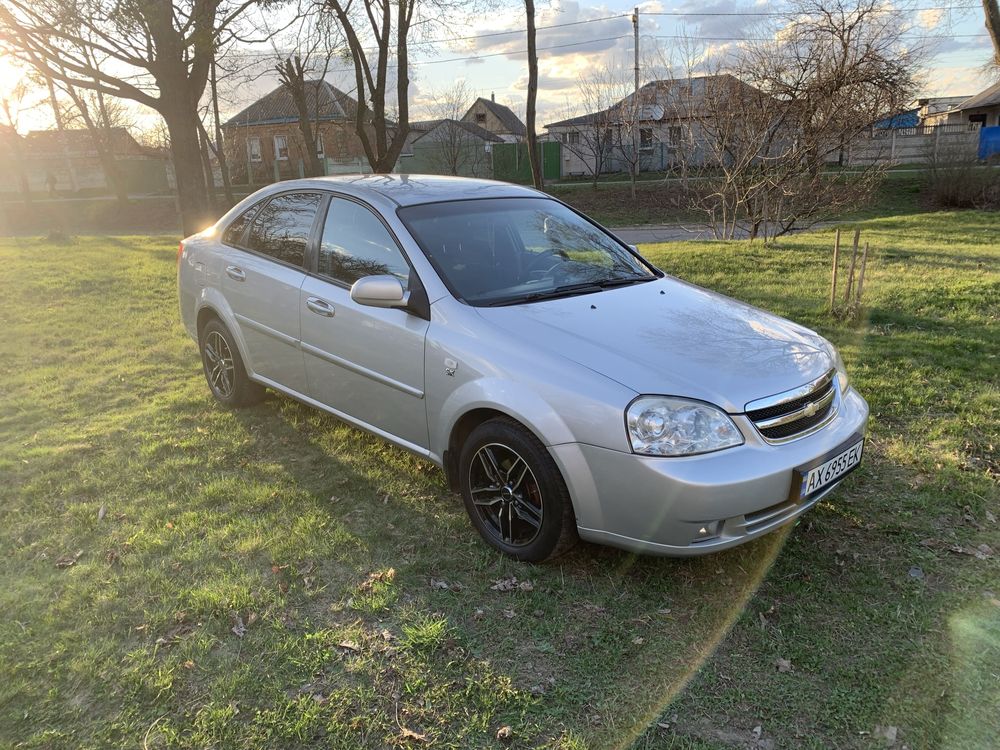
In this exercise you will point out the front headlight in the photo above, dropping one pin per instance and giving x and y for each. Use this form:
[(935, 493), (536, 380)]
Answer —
[(839, 364), (665, 426)]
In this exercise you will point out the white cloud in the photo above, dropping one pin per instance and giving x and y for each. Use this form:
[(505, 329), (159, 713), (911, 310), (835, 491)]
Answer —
[(930, 18)]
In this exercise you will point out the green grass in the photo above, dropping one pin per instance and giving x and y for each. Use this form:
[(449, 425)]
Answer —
[(327, 549)]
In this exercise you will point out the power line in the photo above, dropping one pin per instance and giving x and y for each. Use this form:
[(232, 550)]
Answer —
[(521, 31), (700, 14), (771, 39)]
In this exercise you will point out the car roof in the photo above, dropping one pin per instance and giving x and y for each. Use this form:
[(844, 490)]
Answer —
[(412, 189)]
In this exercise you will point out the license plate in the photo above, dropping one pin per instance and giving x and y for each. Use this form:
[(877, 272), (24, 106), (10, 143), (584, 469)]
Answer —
[(831, 468)]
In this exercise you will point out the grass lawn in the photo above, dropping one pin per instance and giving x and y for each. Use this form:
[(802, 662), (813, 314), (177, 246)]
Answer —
[(177, 575)]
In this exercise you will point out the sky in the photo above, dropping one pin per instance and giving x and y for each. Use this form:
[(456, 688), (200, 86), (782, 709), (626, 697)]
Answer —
[(576, 37)]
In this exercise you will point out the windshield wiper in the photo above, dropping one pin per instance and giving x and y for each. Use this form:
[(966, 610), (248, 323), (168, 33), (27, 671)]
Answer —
[(566, 290), (623, 281)]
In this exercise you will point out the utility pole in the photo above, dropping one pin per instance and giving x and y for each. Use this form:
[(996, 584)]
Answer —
[(636, 104)]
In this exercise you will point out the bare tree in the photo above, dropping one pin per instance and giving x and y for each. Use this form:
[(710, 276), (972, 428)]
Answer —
[(453, 146), (157, 54), (317, 42), (103, 120), (381, 22), (589, 136), (529, 114), (836, 67)]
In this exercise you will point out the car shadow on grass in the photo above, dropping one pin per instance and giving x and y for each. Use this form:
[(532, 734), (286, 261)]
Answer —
[(593, 645)]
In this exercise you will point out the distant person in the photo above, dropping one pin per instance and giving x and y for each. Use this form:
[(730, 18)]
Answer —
[(50, 181)]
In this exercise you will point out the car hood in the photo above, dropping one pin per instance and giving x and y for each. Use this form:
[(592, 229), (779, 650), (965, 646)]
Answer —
[(669, 337)]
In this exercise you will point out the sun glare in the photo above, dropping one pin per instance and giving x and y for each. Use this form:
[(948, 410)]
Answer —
[(9, 76)]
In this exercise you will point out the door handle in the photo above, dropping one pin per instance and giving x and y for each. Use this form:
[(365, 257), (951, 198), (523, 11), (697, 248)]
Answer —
[(320, 307), (236, 273)]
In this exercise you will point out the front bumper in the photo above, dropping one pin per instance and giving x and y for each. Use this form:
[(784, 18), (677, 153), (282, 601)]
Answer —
[(697, 504)]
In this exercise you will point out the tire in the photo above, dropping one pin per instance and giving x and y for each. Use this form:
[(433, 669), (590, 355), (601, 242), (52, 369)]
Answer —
[(514, 493), (224, 370)]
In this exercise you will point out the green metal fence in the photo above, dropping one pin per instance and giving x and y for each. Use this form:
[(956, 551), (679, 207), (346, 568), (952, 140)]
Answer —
[(510, 161)]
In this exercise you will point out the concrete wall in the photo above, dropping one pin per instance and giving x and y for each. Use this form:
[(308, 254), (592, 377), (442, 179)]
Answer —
[(914, 146)]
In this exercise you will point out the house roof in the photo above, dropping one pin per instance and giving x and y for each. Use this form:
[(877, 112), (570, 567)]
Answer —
[(80, 142), (988, 98), (659, 92), (277, 107), (511, 122), (469, 127)]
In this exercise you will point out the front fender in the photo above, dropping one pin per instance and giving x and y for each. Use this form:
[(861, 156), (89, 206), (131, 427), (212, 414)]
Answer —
[(513, 399)]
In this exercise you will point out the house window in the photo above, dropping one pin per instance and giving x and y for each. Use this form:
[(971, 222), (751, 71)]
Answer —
[(574, 138), (320, 147), (480, 118), (253, 149), (280, 148), (645, 139)]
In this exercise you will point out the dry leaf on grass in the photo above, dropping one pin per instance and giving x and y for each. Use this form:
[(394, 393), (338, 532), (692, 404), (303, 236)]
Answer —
[(638, 640), (509, 614), (68, 561), (409, 734), (783, 665), (239, 628), (349, 646), (505, 734), (440, 584), (380, 576), (102, 511)]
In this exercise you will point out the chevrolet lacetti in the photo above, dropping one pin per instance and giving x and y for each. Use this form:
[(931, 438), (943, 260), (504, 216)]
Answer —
[(566, 386)]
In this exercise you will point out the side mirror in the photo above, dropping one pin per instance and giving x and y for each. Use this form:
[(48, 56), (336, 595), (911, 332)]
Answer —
[(380, 291)]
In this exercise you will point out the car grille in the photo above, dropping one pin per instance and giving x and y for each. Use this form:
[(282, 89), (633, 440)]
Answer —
[(796, 412)]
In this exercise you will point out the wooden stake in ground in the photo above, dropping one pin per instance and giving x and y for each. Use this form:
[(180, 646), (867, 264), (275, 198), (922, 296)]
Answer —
[(854, 260), (861, 276), (833, 283)]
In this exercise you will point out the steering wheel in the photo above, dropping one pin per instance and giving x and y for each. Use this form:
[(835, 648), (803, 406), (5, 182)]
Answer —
[(534, 265)]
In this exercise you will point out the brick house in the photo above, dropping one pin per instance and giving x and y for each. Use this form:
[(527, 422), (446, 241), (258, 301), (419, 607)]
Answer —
[(264, 143), (496, 118)]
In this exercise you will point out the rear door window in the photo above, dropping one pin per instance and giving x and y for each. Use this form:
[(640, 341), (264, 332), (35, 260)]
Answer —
[(282, 228)]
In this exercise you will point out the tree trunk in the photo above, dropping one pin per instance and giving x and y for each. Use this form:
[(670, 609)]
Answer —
[(192, 195), (992, 11), (536, 171), (206, 166), (220, 146)]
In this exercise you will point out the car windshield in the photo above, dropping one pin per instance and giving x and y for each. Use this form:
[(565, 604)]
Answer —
[(513, 250)]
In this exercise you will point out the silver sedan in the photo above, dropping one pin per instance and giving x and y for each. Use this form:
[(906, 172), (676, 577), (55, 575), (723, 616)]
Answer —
[(566, 386)]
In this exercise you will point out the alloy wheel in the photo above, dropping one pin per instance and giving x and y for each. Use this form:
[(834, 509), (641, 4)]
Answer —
[(219, 364), (506, 495)]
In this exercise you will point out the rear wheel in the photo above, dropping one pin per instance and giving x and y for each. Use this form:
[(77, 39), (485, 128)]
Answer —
[(227, 377), (514, 493)]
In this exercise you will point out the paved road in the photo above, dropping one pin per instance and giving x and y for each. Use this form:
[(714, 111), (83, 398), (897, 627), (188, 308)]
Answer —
[(649, 233)]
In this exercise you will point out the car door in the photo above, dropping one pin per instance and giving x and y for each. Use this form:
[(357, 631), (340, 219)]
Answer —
[(261, 282), (364, 362)]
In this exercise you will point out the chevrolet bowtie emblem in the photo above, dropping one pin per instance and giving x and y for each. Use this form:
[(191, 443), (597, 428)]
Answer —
[(810, 409)]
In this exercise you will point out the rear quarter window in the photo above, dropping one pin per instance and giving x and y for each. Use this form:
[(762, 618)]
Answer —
[(234, 232)]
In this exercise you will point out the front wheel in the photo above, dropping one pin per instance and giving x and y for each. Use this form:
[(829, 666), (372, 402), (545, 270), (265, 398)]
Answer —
[(514, 493), (227, 377)]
